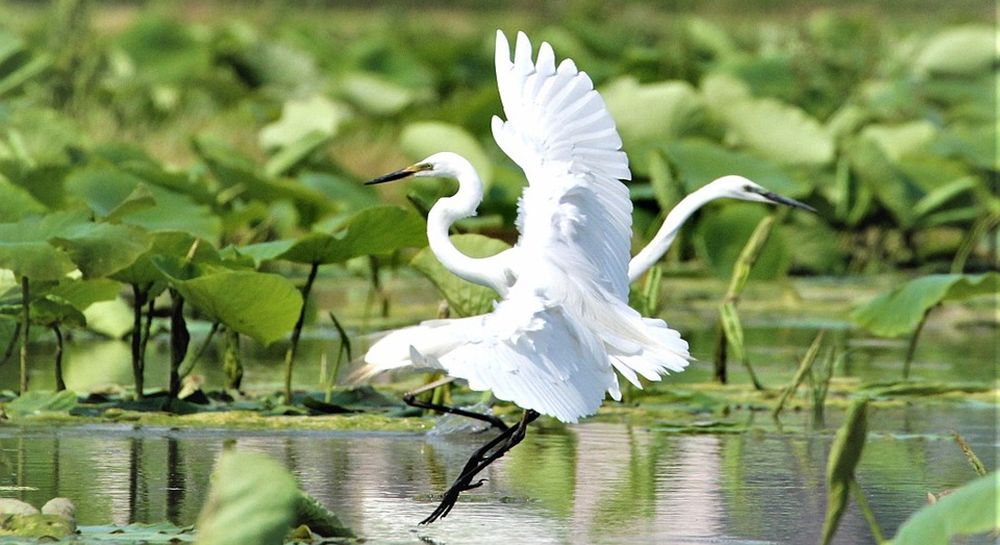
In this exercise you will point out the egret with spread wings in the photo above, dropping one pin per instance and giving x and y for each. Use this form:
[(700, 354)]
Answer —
[(553, 343)]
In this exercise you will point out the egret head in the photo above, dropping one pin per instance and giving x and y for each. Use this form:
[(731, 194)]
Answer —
[(444, 165), (738, 187)]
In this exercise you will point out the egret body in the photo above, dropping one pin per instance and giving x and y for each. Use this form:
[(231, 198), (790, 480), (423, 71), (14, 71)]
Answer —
[(563, 327)]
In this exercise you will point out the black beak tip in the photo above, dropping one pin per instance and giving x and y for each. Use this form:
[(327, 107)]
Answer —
[(774, 197), (392, 176)]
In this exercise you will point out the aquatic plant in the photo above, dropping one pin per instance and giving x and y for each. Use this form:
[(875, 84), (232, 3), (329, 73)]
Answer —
[(904, 308)]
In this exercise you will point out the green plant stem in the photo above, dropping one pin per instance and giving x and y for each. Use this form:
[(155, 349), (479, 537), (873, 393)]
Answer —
[(821, 386), (232, 363), (719, 371), (979, 228), (147, 325), (911, 347), (138, 371), (375, 266), (9, 351), (179, 340), (804, 366), (344, 348), (189, 363), (970, 455), (60, 383), (25, 326), (866, 510), (737, 281), (297, 332)]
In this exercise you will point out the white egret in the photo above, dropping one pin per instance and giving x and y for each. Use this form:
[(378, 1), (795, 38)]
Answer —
[(563, 326)]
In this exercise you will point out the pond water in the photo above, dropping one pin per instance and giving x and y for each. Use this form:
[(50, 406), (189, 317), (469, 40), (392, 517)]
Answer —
[(591, 483)]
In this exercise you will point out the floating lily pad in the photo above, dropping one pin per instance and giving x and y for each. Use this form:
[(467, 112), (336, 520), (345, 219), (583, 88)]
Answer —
[(31, 403)]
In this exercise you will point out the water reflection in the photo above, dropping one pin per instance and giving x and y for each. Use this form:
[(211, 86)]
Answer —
[(593, 483)]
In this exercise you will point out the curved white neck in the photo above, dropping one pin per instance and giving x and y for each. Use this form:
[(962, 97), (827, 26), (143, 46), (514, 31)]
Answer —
[(445, 212), (653, 251)]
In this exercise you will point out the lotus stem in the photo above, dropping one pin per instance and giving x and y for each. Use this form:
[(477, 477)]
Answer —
[(866, 510), (179, 340), (140, 295), (804, 367), (60, 383), (737, 281), (297, 332), (25, 326), (344, 348), (911, 347), (9, 351)]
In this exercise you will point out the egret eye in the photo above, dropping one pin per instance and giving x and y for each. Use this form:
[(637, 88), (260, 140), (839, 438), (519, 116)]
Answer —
[(748, 189)]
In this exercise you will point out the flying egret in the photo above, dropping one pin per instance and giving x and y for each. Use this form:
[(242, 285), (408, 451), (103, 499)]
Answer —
[(563, 327)]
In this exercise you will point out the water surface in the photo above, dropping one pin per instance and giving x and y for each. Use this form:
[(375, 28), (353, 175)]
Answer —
[(592, 483)]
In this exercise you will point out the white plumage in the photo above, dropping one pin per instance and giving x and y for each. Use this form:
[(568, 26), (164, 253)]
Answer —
[(564, 324)]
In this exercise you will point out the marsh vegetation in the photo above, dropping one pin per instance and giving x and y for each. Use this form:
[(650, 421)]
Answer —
[(185, 243)]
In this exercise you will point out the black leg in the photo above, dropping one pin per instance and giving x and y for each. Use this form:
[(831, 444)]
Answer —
[(484, 456), (410, 398)]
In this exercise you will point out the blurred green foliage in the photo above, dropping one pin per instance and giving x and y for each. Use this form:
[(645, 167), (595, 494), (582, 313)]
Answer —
[(165, 145), (884, 120)]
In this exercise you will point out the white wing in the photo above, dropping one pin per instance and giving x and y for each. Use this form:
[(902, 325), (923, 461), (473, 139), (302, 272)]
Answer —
[(537, 356), (576, 211), (552, 343)]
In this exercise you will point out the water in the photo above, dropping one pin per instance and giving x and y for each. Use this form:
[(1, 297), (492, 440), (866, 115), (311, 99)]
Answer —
[(593, 483)]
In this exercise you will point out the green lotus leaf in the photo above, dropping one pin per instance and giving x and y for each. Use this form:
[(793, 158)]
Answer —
[(972, 509), (425, 138), (464, 297), (899, 310), (252, 502), (372, 231)]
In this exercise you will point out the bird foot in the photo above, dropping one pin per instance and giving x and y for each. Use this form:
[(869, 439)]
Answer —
[(484, 456)]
